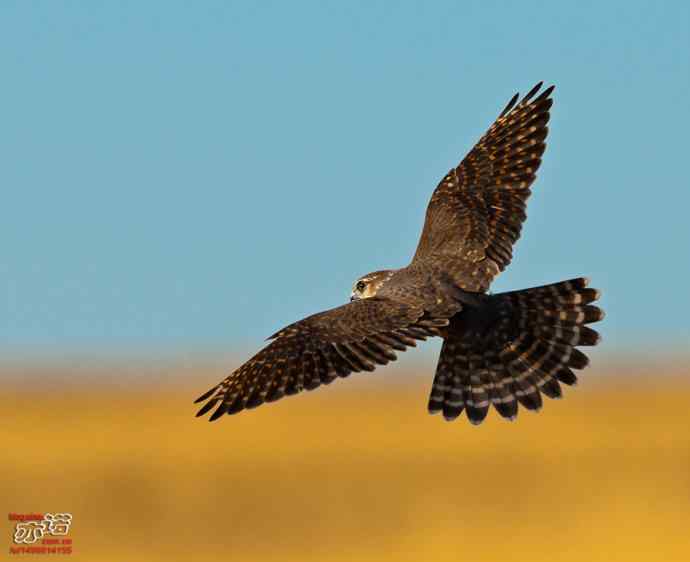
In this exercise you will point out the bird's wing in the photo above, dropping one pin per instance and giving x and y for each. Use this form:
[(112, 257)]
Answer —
[(476, 212), (318, 349)]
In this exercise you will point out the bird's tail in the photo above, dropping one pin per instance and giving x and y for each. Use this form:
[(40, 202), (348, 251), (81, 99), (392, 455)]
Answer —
[(513, 348)]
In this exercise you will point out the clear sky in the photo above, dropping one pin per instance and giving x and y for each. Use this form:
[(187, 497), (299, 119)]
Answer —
[(181, 176)]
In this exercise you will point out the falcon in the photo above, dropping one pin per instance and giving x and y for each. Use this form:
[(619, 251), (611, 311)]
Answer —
[(499, 349)]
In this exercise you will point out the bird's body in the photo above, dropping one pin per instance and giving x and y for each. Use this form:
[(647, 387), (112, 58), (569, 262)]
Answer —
[(499, 349)]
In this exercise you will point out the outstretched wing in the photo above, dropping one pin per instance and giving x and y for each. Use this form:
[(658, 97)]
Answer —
[(476, 212), (314, 351)]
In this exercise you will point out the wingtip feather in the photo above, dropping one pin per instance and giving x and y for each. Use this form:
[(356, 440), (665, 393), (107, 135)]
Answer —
[(205, 395)]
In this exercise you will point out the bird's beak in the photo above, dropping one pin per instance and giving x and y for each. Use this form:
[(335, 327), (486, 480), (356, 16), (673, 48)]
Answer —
[(353, 297)]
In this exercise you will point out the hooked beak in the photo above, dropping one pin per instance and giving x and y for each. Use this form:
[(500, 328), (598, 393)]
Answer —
[(354, 297)]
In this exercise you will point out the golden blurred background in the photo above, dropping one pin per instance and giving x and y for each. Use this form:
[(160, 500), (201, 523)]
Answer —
[(355, 471)]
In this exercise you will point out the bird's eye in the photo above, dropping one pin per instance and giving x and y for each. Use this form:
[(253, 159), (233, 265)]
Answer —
[(360, 286)]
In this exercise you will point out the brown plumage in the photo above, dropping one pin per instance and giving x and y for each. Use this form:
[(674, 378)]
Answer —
[(499, 349), (518, 345)]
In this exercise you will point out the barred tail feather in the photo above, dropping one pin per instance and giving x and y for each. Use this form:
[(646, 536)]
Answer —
[(514, 348)]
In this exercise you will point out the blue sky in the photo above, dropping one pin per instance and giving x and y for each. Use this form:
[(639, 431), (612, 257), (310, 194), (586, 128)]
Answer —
[(182, 176)]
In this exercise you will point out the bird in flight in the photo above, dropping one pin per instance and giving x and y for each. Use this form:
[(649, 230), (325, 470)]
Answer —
[(499, 349)]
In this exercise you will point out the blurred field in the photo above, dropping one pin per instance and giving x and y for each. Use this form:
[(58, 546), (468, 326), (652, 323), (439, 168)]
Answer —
[(357, 471)]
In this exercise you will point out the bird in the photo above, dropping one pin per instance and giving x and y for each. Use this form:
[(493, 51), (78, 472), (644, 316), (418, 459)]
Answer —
[(499, 349)]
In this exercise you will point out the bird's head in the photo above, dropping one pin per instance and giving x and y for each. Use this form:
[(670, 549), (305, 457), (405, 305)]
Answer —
[(368, 285)]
